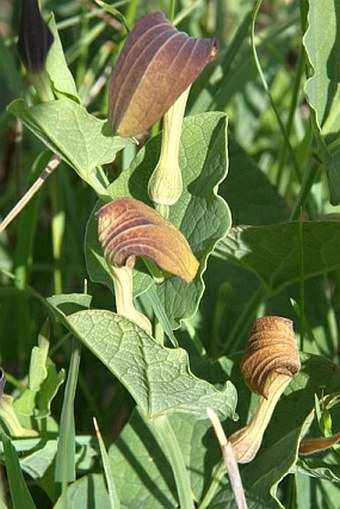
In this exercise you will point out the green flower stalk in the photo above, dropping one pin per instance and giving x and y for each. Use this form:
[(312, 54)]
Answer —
[(165, 184), (35, 40)]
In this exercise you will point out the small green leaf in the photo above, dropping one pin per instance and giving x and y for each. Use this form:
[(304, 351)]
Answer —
[(39, 355), (48, 390), (201, 215), (65, 460), (9, 416), (37, 463), (56, 66), (43, 380), (25, 404), (19, 492), (158, 378), (80, 139), (320, 467)]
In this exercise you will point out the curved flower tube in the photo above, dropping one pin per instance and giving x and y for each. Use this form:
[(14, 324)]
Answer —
[(269, 363)]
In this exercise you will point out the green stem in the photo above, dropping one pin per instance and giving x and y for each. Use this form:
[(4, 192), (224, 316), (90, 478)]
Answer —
[(58, 229), (131, 12), (163, 210), (158, 332), (172, 10), (266, 89), (301, 284), (307, 183), (223, 295), (244, 320), (165, 184), (214, 485), (292, 109), (173, 452), (122, 280), (42, 84)]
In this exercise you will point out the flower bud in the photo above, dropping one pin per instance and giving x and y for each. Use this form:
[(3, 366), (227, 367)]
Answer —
[(35, 38)]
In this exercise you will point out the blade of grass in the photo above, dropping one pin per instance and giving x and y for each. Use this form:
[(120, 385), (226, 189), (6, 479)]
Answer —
[(244, 320), (26, 231), (295, 163), (8, 69), (75, 20), (301, 283), (216, 479), (76, 49), (93, 70), (21, 497), (186, 11), (172, 10), (65, 459), (309, 176), (58, 232), (113, 495), (292, 110), (82, 60)]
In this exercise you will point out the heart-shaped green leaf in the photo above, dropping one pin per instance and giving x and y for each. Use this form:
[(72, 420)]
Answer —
[(158, 378), (65, 127)]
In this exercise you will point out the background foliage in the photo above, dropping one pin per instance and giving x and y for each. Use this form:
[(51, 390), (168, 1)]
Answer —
[(281, 256)]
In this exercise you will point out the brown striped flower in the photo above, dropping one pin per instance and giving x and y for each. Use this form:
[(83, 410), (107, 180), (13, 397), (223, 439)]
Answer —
[(128, 228), (157, 64)]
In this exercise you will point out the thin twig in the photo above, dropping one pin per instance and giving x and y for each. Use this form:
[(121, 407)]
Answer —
[(229, 459), (52, 165)]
